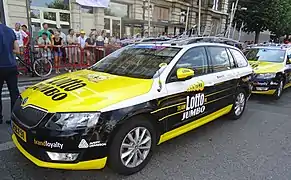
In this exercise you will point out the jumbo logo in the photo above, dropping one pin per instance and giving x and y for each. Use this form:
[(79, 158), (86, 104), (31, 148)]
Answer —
[(198, 86), (57, 88), (254, 65)]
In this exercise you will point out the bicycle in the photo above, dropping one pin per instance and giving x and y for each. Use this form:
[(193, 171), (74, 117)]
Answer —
[(40, 66)]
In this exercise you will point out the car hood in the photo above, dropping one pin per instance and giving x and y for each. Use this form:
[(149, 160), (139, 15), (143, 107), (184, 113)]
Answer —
[(84, 91), (266, 67)]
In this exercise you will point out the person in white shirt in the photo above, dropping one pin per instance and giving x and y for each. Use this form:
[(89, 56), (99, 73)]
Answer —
[(20, 34), (82, 43)]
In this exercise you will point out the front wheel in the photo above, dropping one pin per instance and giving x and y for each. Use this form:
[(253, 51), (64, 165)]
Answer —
[(132, 146), (42, 67), (239, 105), (279, 90)]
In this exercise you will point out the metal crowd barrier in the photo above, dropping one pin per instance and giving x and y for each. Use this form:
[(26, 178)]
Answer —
[(70, 57)]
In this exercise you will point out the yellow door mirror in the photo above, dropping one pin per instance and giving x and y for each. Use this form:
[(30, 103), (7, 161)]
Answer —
[(185, 73)]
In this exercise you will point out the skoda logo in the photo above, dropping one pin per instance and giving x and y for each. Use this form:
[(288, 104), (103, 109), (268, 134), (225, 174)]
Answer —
[(24, 101)]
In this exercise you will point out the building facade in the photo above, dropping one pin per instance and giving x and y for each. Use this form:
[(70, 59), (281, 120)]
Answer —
[(123, 17)]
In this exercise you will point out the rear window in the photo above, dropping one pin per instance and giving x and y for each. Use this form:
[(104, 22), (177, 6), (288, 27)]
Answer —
[(268, 55)]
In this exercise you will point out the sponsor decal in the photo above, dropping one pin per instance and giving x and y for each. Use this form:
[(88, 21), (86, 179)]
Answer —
[(48, 144), (194, 106), (96, 78), (198, 86), (96, 144), (57, 88), (83, 144)]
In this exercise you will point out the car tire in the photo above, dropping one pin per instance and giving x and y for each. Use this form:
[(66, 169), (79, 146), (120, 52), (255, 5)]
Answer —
[(125, 145), (239, 104), (279, 91)]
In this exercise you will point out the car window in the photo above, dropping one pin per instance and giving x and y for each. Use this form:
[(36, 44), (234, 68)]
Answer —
[(137, 61), (195, 59), (231, 59), (220, 59), (266, 54), (239, 57)]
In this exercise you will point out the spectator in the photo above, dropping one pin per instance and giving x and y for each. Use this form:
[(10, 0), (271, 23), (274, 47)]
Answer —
[(72, 51), (82, 43), (8, 65), (20, 35), (45, 29), (62, 35), (100, 38), (46, 43), (90, 48), (52, 34), (64, 38), (58, 44), (26, 42)]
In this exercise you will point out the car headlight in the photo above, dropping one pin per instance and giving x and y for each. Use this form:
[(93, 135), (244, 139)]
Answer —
[(266, 76), (73, 121)]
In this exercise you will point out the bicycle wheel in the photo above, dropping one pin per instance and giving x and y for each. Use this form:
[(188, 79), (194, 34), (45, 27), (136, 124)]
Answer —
[(42, 67)]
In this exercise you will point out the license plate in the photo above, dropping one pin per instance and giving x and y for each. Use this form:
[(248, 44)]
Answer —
[(19, 132)]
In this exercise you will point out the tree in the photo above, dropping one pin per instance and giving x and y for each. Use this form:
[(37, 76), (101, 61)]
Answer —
[(280, 17), (256, 18)]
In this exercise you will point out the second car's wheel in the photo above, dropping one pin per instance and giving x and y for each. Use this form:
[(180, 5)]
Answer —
[(279, 90), (132, 146), (239, 105)]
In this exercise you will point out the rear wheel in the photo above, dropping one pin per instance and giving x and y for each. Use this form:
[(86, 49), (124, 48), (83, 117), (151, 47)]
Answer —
[(239, 105), (132, 146), (279, 90), (42, 67)]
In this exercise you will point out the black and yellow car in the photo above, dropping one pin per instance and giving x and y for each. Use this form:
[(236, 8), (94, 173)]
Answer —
[(272, 67), (117, 111)]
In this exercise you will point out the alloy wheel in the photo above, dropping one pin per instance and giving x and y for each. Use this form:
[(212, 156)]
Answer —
[(239, 104), (135, 147)]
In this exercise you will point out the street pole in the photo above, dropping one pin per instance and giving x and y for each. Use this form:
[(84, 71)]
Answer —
[(199, 17), (233, 11), (149, 18), (143, 17), (29, 24), (187, 19), (240, 31)]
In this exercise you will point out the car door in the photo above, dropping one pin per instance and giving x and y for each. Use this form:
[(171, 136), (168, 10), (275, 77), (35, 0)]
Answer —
[(222, 64), (187, 99)]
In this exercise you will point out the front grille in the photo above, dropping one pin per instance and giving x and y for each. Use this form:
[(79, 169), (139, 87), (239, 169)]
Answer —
[(29, 116)]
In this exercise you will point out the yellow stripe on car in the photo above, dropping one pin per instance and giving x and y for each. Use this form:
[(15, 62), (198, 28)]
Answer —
[(195, 124)]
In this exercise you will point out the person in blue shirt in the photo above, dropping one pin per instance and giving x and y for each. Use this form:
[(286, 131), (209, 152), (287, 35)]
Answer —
[(8, 66)]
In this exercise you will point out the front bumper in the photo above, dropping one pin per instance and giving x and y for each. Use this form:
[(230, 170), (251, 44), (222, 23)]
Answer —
[(265, 86), (82, 165)]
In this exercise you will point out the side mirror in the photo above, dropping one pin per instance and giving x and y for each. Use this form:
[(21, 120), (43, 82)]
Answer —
[(288, 59), (185, 74)]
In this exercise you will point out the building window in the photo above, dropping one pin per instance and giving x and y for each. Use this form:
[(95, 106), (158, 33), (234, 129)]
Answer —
[(117, 10), (161, 14)]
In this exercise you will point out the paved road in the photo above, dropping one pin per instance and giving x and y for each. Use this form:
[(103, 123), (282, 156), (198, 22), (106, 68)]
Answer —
[(256, 147)]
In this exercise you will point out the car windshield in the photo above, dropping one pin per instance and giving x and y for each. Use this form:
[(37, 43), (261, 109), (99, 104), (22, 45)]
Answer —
[(138, 61), (268, 55)]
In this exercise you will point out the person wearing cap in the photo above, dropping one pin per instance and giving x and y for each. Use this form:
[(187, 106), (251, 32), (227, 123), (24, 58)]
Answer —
[(82, 42), (20, 35), (8, 65)]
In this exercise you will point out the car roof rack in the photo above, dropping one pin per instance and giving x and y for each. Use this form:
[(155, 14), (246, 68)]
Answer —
[(205, 39)]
